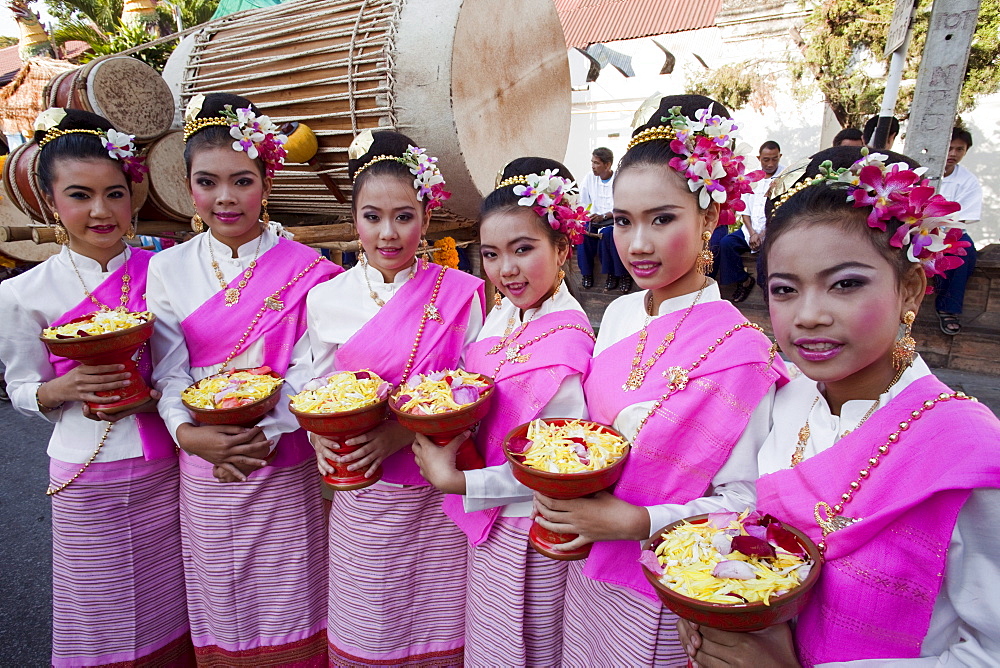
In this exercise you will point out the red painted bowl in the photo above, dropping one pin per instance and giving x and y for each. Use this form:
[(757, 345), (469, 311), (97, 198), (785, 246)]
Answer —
[(241, 416), (560, 486), (341, 427), (740, 617), (446, 426), (112, 348)]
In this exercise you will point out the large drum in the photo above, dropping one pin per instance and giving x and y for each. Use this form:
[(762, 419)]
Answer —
[(477, 82), (169, 198), (126, 91)]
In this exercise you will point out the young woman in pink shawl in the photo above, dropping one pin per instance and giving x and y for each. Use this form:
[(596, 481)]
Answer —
[(678, 371), (234, 297), (891, 472), (515, 595), (117, 570), (397, 563)]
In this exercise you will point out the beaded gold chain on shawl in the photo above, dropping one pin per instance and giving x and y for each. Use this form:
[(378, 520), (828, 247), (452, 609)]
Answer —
[(429, 312), (830, 518), (272, 302), (514, 351)]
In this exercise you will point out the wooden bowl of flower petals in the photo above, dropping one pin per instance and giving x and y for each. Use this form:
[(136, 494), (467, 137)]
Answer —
[(240, 397), (443, 404), (350, 404), (699, 564), (106, 337), (565, 459)]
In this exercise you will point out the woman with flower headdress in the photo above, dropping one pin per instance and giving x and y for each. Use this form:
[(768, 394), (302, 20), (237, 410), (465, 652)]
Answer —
[(536, 345), (234, 298), (117, 569), (397, 563), (894, 475), (677, 370)]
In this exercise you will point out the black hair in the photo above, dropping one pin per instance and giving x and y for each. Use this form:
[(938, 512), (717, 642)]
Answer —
[(827, 204), (604, 154), (385, 142), (963, 134), (504, 199), (872, 123), (217, 136), (848, 134), (73, 146), (658, 151), (770, 145)]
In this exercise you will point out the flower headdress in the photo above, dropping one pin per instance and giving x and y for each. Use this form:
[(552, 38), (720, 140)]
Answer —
[(255, 135), (118, 144), (927, 233), (428, 180), (709, 163), (554, 198)]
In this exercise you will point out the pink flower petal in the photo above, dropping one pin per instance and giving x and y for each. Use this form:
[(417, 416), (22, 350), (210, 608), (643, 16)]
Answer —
[(650, 561), (779, 536), (734, 570), (722, 519), (752, 546)]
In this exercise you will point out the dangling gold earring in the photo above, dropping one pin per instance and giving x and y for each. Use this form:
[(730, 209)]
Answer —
[(362, 260), (265, 217), (905, 347), (497, 299), (197, 224), (424, 256), (559, 281), (703, 264), (62, 237), (131, 230)]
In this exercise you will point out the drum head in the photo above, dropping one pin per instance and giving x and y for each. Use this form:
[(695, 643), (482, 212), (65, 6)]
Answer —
[(131, 95), (169, 198)]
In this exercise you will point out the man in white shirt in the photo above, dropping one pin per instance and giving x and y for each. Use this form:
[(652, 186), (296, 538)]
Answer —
[(959, 185), (596, 190), (751, 235)]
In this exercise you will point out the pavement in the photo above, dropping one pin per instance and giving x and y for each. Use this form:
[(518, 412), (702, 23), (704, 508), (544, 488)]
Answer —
[(26, 543)]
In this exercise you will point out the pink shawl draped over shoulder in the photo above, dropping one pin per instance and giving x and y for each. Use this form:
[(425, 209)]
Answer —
[(209, 344), (691, 435), (156, 440), (523, 389), (385, 342), (883, 573)]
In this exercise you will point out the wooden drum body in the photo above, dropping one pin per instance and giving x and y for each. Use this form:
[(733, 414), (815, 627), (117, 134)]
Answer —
[(476, 82), (169, 198), (126, 91)]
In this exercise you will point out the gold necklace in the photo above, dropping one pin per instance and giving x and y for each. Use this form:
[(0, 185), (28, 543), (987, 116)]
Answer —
[(829, 518), (509, 338), (637, 374), (363, 261), (125, 286), (800, 447), (514, 352), (233, 294)]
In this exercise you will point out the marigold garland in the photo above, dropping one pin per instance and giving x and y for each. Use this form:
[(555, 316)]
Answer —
[(447, 256)]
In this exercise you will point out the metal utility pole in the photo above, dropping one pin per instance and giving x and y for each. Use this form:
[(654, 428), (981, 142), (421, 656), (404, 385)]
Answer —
[(939, 83), (896, 44)]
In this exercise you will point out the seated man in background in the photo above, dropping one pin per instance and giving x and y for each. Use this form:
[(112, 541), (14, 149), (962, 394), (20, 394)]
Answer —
[(751, 234), (959, 185)]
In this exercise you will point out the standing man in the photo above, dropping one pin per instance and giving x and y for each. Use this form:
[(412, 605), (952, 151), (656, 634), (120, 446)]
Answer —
[(596, 190), (959, 185), (869, 134), (751, 234)]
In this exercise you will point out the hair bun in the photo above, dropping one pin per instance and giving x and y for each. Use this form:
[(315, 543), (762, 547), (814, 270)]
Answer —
[(384, 142), (689, 104), (76, 119)]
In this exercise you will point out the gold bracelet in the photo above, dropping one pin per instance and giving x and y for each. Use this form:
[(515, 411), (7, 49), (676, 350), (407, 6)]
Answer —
[(42, 408)]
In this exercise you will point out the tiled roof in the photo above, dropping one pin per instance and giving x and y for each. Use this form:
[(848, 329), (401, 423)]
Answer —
[(10, 63), (587, 22)]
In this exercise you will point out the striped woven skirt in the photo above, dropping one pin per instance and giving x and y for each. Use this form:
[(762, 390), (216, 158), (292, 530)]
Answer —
[(607, 625), (255, 565), (514, 603), (117, 573), (397, 579)]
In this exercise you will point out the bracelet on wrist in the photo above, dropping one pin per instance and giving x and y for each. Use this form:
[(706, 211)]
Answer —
[(42, 408)]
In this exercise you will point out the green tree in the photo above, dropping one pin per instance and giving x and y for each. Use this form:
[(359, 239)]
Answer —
[(98, 23), (842, 46)]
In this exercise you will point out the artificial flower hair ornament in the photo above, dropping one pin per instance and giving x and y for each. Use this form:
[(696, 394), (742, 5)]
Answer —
[(927, 233), (707, 158), (257, 136), (428, 180), (554, 198), (119, 145)]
